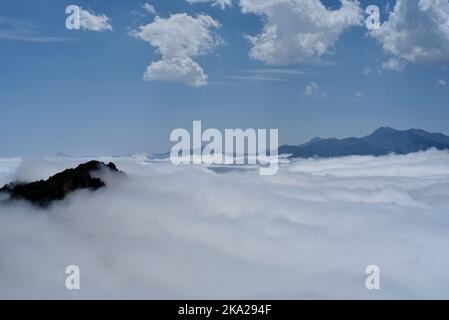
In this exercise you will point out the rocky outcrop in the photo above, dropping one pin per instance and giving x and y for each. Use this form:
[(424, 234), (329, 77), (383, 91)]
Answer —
[(43, 193)]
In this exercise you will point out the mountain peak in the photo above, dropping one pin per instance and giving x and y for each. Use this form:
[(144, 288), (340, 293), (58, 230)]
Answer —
[(316, 139), (384, 130), (43, 193), (383, 141)]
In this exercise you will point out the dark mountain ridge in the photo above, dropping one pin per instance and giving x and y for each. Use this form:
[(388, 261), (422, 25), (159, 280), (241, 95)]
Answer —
[(43, 193), (381, 142)]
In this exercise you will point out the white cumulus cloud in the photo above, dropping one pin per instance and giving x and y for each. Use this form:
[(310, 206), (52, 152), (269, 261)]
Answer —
[(178, 39), (298, 30), (92, 22), (417, 32), (180, 69)]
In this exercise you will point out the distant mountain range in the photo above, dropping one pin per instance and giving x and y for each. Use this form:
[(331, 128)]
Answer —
[(381, 142)]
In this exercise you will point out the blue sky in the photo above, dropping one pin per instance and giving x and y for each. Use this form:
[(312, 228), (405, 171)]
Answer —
[(83, 92)]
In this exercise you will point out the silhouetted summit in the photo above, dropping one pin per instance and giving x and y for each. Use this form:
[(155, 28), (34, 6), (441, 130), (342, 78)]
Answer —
[(381, 142), (57, 187)]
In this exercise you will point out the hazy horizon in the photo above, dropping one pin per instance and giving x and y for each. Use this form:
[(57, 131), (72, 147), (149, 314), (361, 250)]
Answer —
[(61, 152)]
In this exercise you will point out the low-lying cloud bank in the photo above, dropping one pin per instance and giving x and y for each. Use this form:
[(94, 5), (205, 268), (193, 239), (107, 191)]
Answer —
[(189, 232)]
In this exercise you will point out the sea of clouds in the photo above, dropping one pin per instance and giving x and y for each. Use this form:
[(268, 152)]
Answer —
[(167, 231)]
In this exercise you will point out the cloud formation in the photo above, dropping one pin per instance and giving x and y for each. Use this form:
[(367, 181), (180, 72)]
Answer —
[(149, 8), (221, 3), (417, 32), (268, 74), (358, 96), (177, 69), (178, 39), (307, 232), (19, 30), (394, 64), (298, 30), (311, 89), (92, 22)]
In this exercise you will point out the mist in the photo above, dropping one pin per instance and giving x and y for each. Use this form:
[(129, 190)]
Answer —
[(189, 232)]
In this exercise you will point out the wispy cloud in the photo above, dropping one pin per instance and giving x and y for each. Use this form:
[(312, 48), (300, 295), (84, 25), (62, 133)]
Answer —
[(19, 30), (279, 71), (149, 8), (220, 3), (358, 96), (255, 78), (268, 74), (394, 64)]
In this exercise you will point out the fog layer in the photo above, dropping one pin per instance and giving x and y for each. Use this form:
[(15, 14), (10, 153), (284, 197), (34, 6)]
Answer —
[(169, 231)]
